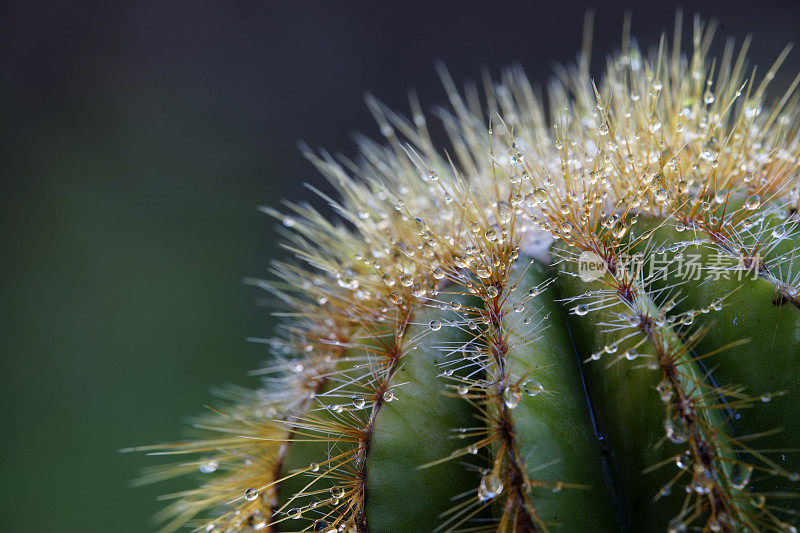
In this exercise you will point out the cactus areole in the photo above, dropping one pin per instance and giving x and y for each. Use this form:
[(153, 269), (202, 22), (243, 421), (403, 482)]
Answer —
[(581, 314)]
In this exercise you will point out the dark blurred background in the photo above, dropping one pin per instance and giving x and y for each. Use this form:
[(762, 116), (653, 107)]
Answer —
[(137, 139)]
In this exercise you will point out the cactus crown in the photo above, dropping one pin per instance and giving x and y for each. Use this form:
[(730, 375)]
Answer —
[(430, 239)]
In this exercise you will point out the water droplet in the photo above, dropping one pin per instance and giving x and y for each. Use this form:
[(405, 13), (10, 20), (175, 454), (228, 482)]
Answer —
[(581, 309), (435, 325), (337, 491), (462, 390), (472, 449), (389, 396), (753, 202), (740, 475), (676, 526), (684, 461), (779, 232), (492, 291), (511, 396), (359, 402), (661, 195), (655, 123), (657, 86), (665, 391), (296, 513), (676, 429), (207, 468), (603, 130), (533, 388), (490, 487), (455, 306), (250, 494), (708, 97), (612, 348), (438, 273), (483, 272)]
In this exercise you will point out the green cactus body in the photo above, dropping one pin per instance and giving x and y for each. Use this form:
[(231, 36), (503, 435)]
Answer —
[(768, 364), (499, 335)]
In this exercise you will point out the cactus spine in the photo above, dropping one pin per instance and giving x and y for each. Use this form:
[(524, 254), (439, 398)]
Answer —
[(447, 364)]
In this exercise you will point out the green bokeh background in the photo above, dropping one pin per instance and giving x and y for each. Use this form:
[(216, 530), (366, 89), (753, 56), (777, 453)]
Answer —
[(137, 139)]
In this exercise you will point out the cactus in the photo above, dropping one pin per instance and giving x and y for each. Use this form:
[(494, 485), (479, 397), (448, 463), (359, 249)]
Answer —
[(581, 314)]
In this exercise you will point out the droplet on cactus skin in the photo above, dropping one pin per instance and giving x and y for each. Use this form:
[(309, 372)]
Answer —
[(490, 487), (533, 388)]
